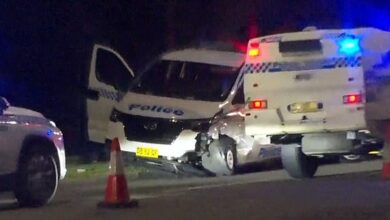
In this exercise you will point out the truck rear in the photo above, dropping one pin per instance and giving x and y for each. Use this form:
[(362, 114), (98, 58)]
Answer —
[(306, 91)]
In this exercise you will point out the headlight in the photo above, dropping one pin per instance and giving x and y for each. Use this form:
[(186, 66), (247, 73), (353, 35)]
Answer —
[(52, 123)]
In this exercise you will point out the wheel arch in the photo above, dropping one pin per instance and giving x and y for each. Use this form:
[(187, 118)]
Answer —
[(228, 127), (228, 137)]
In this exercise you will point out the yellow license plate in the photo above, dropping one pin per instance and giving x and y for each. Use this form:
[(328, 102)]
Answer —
[(147, 152), (304, 107)]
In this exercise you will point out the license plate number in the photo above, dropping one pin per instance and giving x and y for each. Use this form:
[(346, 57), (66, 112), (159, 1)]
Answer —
[(147, 152), (304, 107)]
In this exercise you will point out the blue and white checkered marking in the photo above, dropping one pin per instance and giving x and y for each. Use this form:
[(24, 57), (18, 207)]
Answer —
[(340, 62), (107, 94)]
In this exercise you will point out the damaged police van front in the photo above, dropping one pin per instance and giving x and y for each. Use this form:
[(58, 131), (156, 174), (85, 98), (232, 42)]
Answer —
[(165, 112)]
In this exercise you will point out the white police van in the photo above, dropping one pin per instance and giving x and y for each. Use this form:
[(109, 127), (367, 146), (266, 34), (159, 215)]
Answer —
[(166, 111), (32, 155), (308, 92)]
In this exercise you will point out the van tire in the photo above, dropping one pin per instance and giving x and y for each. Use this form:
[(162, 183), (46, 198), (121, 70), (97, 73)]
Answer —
[(297, 164), (222, 157)]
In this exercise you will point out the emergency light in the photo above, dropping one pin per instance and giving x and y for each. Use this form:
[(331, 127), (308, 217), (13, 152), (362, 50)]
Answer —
[(352, 99), (349, 45), (254, 49)]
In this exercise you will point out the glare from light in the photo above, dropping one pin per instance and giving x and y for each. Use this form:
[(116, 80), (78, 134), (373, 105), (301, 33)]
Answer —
[(52, 123), (349, 46), (254, 52)]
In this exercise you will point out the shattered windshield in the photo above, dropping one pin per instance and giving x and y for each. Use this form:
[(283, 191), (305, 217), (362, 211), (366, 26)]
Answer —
[(187, 80)]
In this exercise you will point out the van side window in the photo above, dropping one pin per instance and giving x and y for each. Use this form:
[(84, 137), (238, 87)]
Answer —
[(110, 70), (239, 98)]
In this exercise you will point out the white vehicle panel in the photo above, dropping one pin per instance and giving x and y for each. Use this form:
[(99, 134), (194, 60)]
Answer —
[(22, 111), (334, 116), (249, 148), (97, 129), (372, 40), (206, 56), (184, 143), (153, 106), (165, 107), (99, 110), (324, 76), (16, 124)]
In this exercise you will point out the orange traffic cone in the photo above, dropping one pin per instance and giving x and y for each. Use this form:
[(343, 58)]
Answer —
[(117, 194)]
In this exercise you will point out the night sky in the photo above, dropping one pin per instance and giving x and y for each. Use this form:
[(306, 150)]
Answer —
[(46, 45)]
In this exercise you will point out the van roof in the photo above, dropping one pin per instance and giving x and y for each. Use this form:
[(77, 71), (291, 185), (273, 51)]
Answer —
[(317, 34), (213, 57)]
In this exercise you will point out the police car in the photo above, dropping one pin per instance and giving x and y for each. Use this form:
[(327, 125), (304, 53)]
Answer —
[(32, 156), (165, 112), (308, 91)]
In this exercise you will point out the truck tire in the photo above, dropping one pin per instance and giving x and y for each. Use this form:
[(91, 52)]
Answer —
[(222, 157), (37, 179), (351, 158), (297, 164)]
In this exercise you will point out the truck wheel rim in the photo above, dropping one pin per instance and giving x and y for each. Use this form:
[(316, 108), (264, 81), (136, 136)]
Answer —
[(230, 160), (352, 157)]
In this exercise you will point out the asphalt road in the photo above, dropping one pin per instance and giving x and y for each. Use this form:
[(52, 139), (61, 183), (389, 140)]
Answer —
[(342, 191)]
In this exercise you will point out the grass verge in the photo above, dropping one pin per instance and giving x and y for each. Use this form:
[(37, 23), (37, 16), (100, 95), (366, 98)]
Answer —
[(78, 170)]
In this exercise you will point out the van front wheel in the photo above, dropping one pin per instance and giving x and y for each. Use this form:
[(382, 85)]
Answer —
[(297, 164), (222, 157)]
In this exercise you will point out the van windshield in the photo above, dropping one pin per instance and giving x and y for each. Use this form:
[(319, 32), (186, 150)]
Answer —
[(187, 80)]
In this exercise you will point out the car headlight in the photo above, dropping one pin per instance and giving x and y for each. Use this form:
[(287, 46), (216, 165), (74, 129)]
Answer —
[(52, 123)]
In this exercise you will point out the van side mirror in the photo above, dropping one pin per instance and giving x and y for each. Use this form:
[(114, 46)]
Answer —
[(4, 104)]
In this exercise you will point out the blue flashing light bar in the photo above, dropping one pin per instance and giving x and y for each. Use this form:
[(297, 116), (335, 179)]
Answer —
[(349, 45)]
